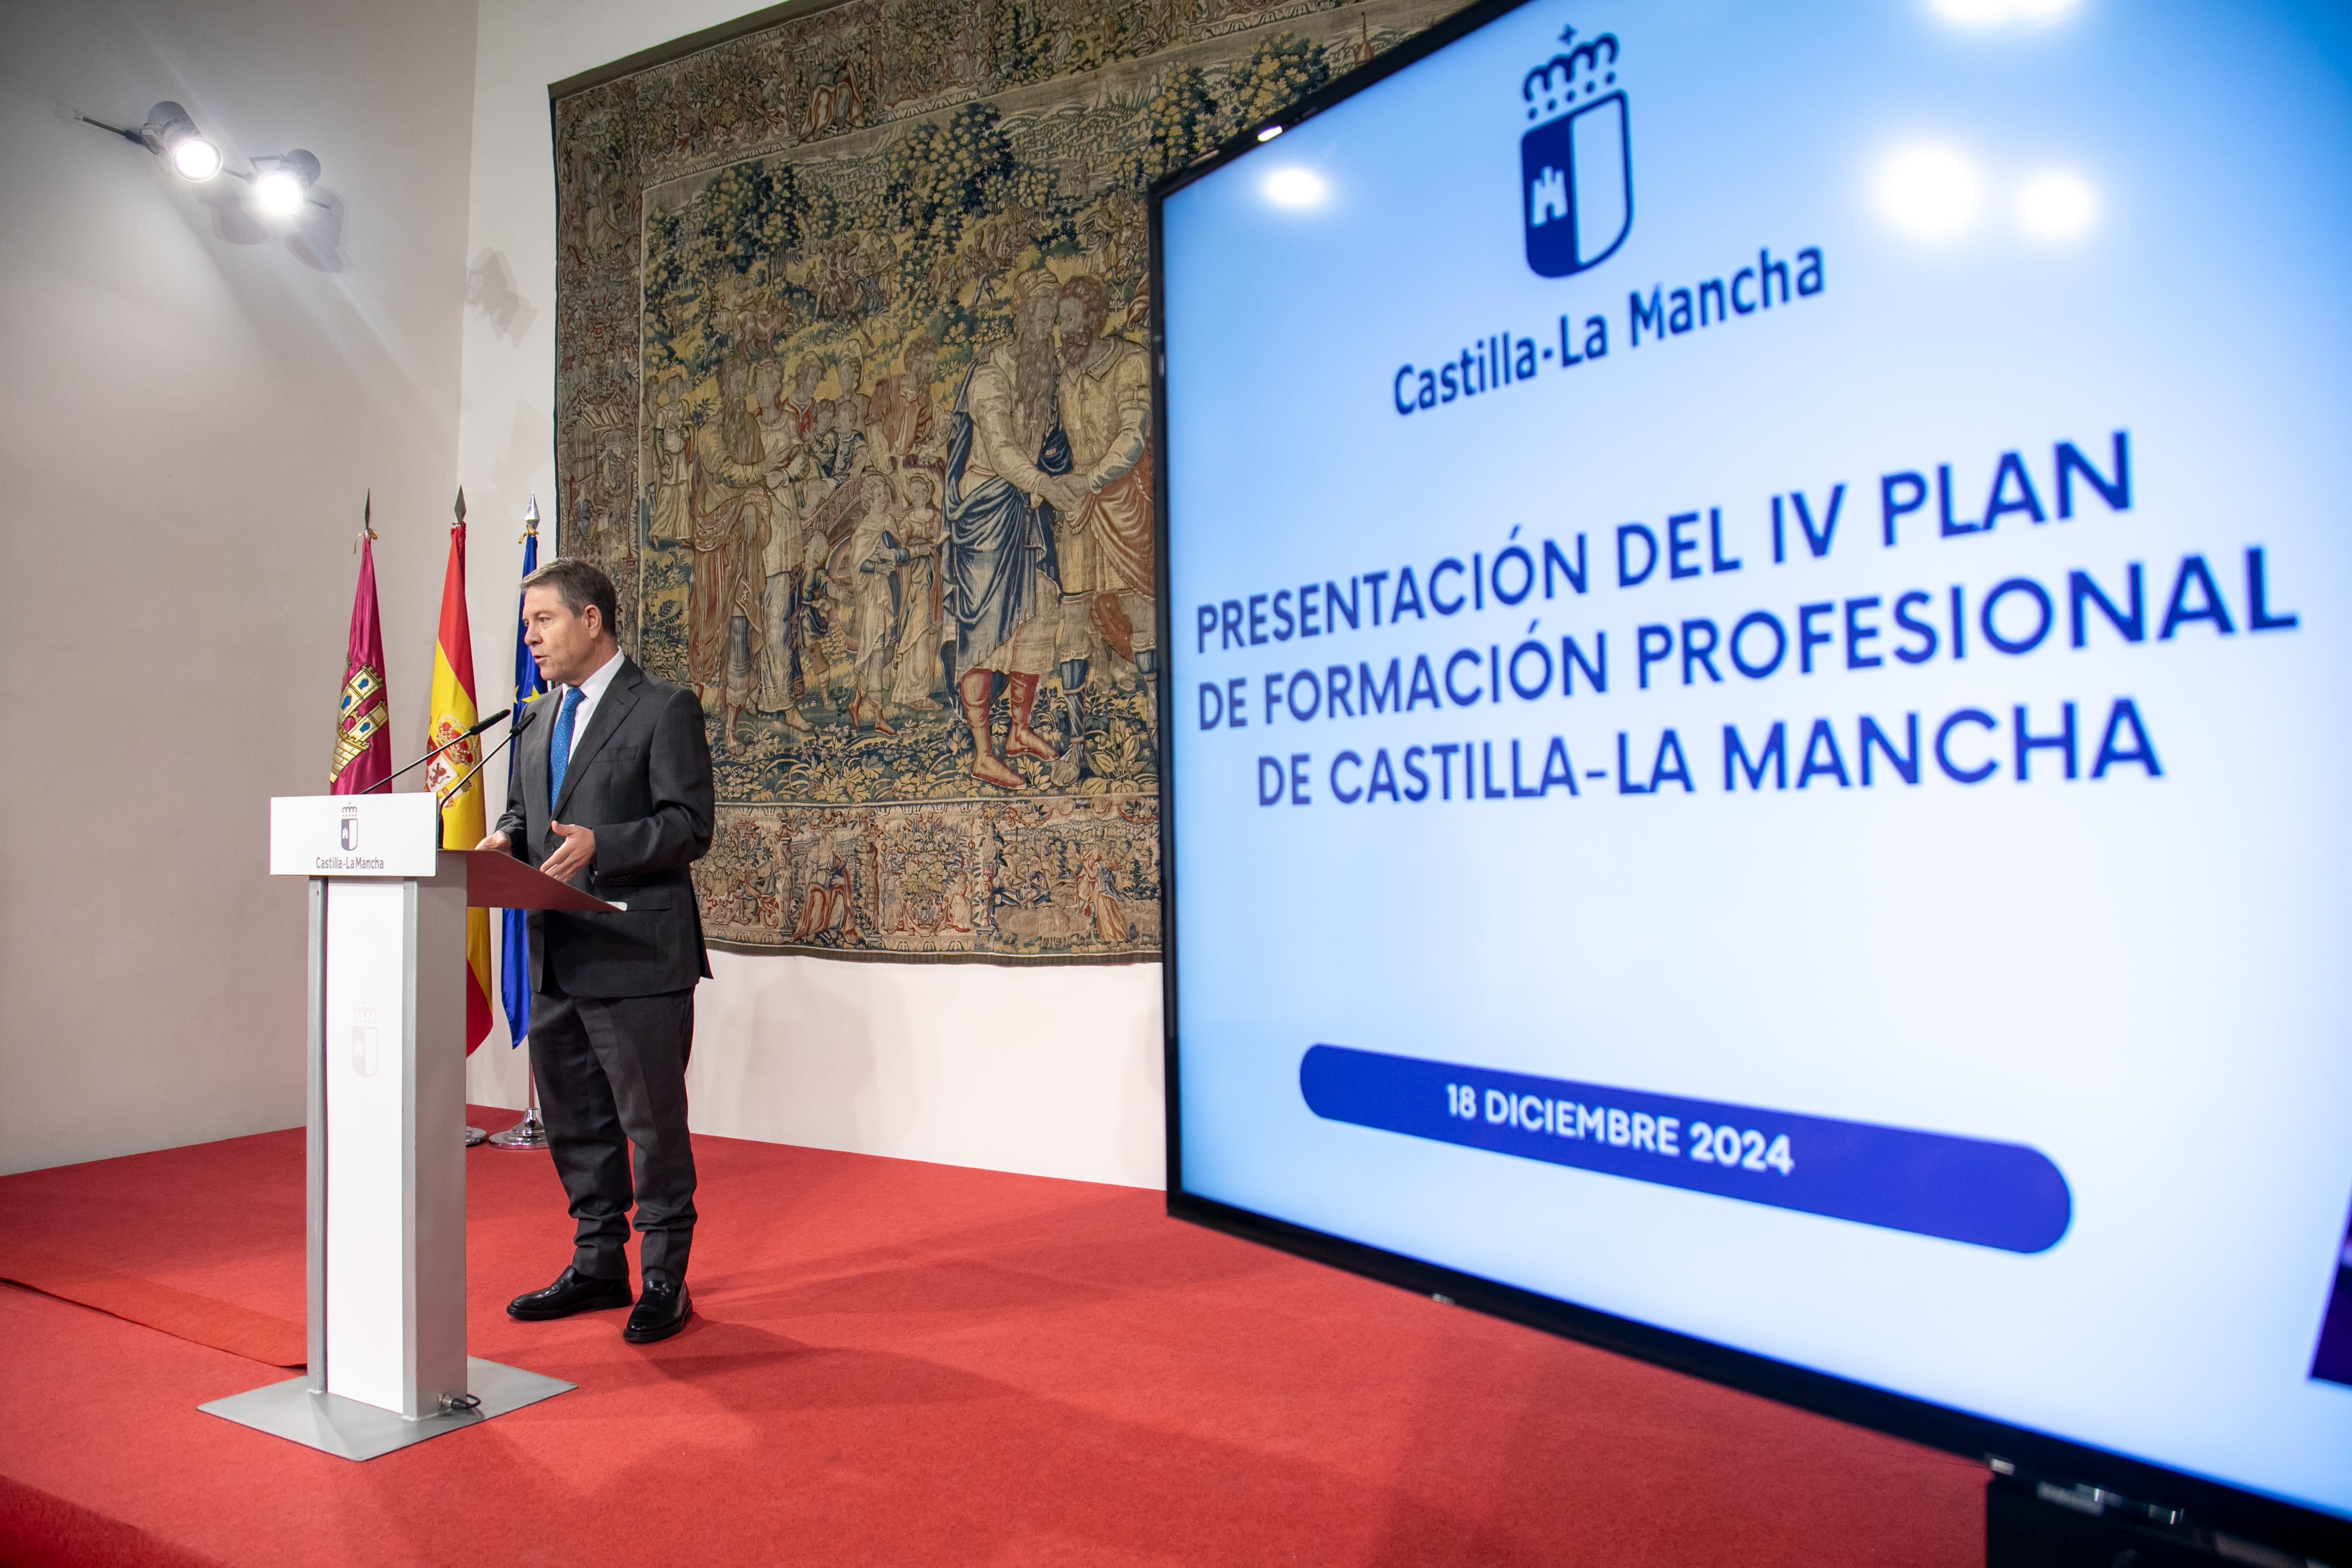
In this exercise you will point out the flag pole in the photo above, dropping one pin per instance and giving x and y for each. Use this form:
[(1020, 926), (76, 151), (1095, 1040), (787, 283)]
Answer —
[(514, 979), (363, 754), (462, 681)]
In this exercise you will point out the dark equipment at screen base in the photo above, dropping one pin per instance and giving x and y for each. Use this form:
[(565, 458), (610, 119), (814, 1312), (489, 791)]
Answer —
[(2039, 1524)]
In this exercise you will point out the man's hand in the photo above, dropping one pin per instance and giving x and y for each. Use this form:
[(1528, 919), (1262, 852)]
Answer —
[(495, 841), (579, 849)]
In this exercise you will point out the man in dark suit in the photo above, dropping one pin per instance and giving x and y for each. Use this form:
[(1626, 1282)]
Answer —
[(610, 791)]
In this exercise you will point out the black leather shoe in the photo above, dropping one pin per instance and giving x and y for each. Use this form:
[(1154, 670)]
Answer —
[(662, 1310), (572, 1292)]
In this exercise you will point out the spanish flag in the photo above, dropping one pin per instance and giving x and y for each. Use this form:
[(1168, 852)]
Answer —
[(462, 821)]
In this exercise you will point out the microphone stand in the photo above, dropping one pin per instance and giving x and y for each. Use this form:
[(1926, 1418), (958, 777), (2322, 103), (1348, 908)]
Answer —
[(459, 788), (436, 750)]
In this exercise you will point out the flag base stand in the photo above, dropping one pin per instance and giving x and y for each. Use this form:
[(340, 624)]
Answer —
[(352, 1429), (475, 1135), (530, 1133)]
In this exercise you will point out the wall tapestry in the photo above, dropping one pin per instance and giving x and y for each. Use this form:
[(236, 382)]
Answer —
[(852, 403)]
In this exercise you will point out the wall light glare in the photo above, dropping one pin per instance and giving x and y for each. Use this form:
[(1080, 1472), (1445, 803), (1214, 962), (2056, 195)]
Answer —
[(1269, 134), (1295, 187), (1928, 191), (2056, 205)]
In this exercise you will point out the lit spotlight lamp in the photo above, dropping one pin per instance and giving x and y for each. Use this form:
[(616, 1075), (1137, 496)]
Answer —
[(282, 184), (172, 136)]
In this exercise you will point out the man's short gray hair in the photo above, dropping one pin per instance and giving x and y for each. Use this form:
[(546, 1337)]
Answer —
[(580, 583)]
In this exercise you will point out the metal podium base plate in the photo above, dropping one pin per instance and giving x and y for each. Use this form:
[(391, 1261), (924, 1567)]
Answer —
[(334, 1424)]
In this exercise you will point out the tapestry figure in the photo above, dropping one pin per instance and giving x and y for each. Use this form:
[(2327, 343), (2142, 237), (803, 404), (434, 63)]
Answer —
[(1005, 449)]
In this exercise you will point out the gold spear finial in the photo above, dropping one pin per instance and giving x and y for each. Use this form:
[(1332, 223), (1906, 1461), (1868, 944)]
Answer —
[(529, 519), (367, 525), (461, 503)]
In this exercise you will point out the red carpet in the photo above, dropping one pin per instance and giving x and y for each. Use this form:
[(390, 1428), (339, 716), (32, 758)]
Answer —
[(894, 1364)]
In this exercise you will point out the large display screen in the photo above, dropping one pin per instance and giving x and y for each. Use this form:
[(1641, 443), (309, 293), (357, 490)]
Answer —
[(1759, 738)]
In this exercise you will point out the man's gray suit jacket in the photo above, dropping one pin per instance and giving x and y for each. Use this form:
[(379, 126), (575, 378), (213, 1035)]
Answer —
[(640, 776)]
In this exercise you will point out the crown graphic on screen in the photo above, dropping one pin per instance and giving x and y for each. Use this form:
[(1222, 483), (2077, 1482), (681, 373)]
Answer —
[(1557, 85)]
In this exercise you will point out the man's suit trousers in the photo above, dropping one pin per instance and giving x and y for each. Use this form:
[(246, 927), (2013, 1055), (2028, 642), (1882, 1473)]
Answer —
[(612, 1073)]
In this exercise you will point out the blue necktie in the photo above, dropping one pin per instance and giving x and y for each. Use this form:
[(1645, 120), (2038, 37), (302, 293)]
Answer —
[(558, 747)]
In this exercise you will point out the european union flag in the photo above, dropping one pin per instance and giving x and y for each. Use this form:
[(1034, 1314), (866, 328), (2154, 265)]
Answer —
[(514, 958)]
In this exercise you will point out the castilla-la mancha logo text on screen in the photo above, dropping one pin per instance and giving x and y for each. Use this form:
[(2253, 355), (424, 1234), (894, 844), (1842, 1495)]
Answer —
[(1576, 164)]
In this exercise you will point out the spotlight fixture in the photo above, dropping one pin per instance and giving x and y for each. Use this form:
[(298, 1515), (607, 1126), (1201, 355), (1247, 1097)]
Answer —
[(281, 184), (171, 135)]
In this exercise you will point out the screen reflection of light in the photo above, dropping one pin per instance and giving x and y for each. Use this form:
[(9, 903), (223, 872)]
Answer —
[(2002, 13), (1928, 191), (2056, 205), (1295, 187)]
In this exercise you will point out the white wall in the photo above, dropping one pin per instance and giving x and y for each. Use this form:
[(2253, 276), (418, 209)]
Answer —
[(187, 421), (1055, 1074), (1053, 1070)]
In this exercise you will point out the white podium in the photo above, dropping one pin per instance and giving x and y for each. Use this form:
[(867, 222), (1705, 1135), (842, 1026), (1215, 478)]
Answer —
[(387, 1362)]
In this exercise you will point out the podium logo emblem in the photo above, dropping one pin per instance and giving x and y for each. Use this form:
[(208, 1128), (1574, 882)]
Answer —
[(364, 1034), (351, 828), (1576, 164)]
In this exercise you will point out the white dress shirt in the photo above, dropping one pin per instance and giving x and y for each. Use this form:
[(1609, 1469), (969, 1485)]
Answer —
[(592, 692)]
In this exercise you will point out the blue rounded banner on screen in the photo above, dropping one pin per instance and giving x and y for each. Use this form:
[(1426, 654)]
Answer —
[(1932, 1183)]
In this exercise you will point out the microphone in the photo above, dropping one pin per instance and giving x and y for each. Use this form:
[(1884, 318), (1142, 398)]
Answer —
[(439, 749), (527, 712)]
